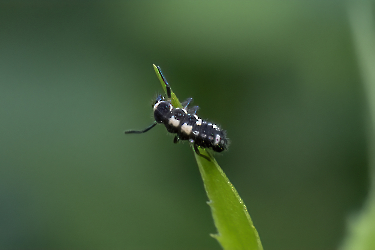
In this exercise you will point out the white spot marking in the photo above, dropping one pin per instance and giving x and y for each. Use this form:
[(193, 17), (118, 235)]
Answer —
[(196, 133), (209, 124), (217, 139), (156, 105), (186, 128), (199, 122), (184, 111), (196, 117), (174, 122), (214, 126)]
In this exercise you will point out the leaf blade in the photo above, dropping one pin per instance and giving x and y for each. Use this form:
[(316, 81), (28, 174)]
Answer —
[(175, 102), (231, 218)]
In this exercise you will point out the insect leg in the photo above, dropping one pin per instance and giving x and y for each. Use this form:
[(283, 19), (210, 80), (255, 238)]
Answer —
[(141, 131), (176, 139), (186, 103), (166, 83), (199, 153), (194, 110)]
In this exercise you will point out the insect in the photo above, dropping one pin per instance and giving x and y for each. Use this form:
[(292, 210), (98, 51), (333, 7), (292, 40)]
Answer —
[(185, 123)]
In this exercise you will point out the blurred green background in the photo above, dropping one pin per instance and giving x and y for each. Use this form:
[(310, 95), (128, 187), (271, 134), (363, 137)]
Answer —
[(281, 77)]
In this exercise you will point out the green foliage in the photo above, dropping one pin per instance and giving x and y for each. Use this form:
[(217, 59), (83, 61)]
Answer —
[(232, 220), (175, 101), (362, 227)]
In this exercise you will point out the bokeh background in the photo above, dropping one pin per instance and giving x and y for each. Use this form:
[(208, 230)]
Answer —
[(282, 77)]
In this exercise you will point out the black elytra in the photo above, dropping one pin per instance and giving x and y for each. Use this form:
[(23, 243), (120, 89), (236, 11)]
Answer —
[(186, 124)]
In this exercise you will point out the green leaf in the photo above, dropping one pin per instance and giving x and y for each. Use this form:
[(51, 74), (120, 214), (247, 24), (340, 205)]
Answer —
[(232, 220), (175, 102), (361, 226)]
